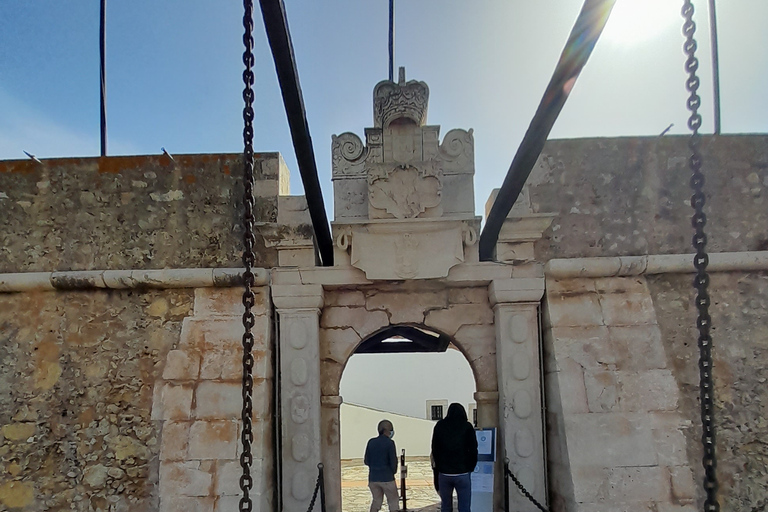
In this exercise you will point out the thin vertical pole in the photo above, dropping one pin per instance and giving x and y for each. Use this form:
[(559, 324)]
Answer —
[(103, 58), (715, 63), (391, 40)]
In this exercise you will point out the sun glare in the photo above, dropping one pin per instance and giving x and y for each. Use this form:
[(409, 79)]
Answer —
[(637, 21)]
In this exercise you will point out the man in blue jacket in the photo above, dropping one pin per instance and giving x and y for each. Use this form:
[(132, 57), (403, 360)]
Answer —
[(381, 459)]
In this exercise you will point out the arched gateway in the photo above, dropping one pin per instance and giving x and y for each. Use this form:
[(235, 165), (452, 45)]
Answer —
[(405, 236)]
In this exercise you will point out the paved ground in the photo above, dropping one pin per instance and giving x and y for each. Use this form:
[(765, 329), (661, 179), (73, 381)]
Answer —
[(420, 493)]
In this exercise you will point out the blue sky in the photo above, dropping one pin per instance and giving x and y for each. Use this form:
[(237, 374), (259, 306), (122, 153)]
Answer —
[(174, 73)]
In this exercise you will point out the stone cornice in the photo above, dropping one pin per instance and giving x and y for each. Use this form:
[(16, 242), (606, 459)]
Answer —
[(619, 266)]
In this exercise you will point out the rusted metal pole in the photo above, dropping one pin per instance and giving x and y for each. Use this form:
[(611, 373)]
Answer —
[(391, 40), (103, 74), (715, 64), (403, 475)]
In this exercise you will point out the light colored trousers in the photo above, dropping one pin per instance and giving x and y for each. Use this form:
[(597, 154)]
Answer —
[(379, 490)]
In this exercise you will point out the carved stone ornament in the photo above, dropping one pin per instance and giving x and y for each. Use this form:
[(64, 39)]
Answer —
[(425, 250), (457, 152), (347, 155), (404, 192), (392, 101)]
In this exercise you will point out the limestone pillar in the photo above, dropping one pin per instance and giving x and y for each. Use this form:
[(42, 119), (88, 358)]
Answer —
[(515, 304), (331, 451), (298, 307)]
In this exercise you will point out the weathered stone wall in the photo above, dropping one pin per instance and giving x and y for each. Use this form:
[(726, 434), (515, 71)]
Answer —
[(198, 404), (740, 339), (615, 435), (76, 380), (137, 212), (130, 400), (630, 196)]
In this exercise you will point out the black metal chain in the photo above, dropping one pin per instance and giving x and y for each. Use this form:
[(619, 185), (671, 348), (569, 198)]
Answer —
[(318, 483), (700, 261), (249, 258), (523, 489)]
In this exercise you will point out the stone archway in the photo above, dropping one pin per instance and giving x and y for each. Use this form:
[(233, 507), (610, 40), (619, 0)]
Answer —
[(349, 317), (493, 322)]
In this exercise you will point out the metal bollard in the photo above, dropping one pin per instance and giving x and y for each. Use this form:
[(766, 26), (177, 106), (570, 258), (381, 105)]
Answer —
[(321, 483), (403, 475)]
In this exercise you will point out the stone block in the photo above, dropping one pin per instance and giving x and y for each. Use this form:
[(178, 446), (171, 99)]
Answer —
[(229, 503), (671, 507), (638, 347), (614, 507), (175, 440), (191, 478), (627, 309), (218, 400), (621, 285), (670, 445), (476, 340), (509, 252), (646, 484), (344, 298), (602, 391), (362, 321), (569, 381), (652, 390), (338, 344), (473, 295), (182, 365), (187, 504), (581, 309), (171, 401), (609, 440), (262, 399), (683, 487), (407, 307), (575, 286), (450, 319), (228, 477), (219, 365), (214, 333), (589, 346), (596, 484), (213, 440), (228, 301)]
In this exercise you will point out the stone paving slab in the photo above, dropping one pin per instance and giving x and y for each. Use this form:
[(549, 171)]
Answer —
[(420, 493)]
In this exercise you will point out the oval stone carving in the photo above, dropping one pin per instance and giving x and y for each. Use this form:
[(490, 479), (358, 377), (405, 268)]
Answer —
[(528, 478), (299, 371), (524, 442), (298, 334), (302, 485), (518, 328), (521, 404), (300, 409), (521, 366), (300, 447)]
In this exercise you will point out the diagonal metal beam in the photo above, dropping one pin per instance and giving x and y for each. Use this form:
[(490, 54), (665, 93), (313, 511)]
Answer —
[(276, 24), (587, 29)]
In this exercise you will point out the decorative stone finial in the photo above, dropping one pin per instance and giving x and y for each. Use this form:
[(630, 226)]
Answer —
[(400, 102)]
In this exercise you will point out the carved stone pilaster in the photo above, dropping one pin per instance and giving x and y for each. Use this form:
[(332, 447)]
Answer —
[(298, 307), (519, 370)]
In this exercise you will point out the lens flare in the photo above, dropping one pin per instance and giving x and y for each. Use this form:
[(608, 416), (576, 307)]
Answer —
[(638, 21)]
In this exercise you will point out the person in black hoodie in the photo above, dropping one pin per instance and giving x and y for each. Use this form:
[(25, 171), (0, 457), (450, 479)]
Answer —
[(454, 449)]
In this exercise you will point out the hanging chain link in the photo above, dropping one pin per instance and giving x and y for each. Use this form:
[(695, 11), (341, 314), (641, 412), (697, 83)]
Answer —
[(700, 261), (317, 488), (246, 457), (522, 488)]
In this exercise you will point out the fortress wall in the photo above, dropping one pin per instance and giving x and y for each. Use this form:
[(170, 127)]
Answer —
[(133, 212)]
